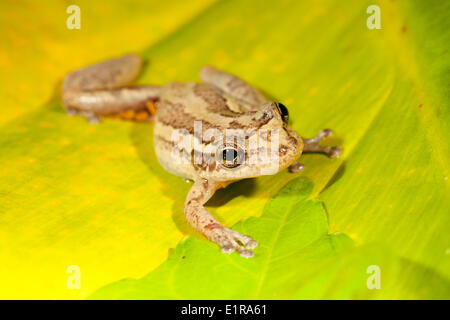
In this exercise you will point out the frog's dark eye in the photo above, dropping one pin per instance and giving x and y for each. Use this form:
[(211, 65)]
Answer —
[(231, 157), (229, 154), (283, 111)]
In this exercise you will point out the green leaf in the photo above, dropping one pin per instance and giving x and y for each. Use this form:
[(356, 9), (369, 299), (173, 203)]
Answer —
[(297, 259), (292, 233), (70, 192), (95, 196)]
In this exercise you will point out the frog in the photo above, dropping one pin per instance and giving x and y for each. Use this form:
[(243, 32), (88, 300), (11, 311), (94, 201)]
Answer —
[(222, 101)]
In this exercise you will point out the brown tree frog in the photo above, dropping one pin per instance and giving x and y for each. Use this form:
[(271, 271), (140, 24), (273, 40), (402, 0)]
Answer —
[(186, 111)]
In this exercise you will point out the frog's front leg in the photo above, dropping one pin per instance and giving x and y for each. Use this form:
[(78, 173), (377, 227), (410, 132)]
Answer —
[(312, 145), (200, 219)]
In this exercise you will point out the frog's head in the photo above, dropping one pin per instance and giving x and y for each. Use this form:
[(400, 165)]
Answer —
[(265, 145)]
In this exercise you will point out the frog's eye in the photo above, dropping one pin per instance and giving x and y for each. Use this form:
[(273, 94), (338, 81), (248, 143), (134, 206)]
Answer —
[(283, 111), (231, 157)]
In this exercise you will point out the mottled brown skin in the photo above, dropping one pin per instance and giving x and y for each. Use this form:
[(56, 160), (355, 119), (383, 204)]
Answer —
[(223, 102)]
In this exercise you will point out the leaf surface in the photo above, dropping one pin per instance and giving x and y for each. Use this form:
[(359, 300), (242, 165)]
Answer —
[(95, 196), (297, 258)]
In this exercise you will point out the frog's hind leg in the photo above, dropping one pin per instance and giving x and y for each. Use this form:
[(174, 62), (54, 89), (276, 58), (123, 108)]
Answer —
[(109, 74), (94, 104), (248, 97), (104, 88), (312, 145)]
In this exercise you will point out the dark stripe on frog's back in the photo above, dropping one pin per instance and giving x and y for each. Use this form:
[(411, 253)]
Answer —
[(215, 102), (174, 116), (184, 102)]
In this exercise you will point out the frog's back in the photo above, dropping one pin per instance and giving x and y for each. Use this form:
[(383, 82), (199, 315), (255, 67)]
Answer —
[(195, 100), (179, 106)]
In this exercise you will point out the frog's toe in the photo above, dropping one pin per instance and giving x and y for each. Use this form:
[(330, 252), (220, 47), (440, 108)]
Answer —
[(93, 119), (236, 247), (296, 167), (71, 112), (246, 240), (325, 133), (335, 152), (228, 248), (252, 244), (231, 241), (246, 253)]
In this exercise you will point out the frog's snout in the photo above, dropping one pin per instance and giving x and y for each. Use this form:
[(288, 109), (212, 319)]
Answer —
[(291, 146)]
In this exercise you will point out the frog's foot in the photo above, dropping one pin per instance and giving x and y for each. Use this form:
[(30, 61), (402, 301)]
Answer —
[(231, 240), (90, 116), (312, 145)]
